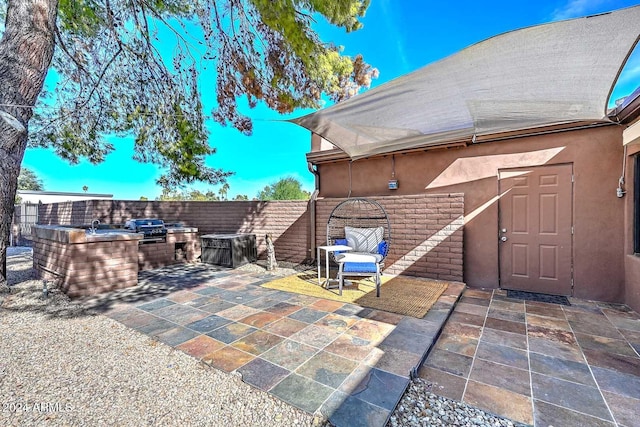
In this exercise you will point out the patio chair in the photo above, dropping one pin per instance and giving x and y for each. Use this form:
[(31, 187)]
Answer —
[(363, 225)]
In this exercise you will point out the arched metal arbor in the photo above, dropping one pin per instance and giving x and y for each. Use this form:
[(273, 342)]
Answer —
[(360, 213)]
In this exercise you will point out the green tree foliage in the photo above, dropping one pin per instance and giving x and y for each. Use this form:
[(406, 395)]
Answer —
[(191, 195), (28, 180), (241, 197), (286, 189), (224, 189), (109, 76), (112, 77)]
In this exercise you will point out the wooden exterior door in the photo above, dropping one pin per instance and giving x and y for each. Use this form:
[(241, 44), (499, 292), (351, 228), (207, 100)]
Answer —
[(535, 229)]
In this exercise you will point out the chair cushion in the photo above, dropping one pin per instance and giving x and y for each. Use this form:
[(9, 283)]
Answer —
[(364, 239), (339, 242), (383, 248), (359, 267), (359, 257)]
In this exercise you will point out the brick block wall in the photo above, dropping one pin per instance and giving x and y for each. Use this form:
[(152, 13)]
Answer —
[(66, 213), (287, 221), (427, 229), (426, 233), (87, 268)]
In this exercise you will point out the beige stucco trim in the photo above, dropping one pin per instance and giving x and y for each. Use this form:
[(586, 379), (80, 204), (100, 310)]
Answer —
[(631, 135)]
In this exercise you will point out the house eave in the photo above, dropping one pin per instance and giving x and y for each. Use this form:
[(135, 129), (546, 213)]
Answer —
[(629, 111)]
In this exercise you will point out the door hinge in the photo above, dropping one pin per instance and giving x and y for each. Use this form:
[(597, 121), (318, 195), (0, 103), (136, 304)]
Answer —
[(572, 285), (572, 178), (572, 230)]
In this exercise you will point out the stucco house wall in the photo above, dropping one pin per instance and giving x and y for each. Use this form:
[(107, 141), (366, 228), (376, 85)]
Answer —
[(596, 155)]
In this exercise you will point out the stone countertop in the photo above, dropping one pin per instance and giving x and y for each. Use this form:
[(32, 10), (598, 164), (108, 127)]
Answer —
[(106, 235), (73, 235)]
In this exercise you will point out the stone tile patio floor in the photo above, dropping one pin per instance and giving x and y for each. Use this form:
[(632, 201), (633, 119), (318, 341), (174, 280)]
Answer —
[(348, 363), (539, 363), (536, 363)]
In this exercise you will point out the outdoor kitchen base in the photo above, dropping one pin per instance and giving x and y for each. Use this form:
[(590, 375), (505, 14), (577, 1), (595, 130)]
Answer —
[(178, 247), (84, 263)]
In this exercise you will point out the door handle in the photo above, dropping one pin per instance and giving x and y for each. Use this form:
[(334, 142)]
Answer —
[(504, 238)]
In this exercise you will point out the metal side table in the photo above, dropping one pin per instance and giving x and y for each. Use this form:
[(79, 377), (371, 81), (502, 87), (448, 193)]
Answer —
[(328, 249)]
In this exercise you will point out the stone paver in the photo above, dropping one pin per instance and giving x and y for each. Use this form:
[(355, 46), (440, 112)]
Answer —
[(338, 359), (540, 363)]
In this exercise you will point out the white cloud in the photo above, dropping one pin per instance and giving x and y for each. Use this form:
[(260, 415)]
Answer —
[(577, 8)]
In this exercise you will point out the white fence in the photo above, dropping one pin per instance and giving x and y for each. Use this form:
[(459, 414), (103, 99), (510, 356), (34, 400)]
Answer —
[(25, 216)]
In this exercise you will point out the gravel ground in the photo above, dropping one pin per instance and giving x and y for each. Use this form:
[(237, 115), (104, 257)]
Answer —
[(419, 407), (62, 366)]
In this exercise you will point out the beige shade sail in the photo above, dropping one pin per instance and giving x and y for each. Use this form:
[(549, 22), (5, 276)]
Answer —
[(552, 74)]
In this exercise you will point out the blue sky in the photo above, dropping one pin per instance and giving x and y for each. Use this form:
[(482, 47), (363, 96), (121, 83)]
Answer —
[(398, 37)]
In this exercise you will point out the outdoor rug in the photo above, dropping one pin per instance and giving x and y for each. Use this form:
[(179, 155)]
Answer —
[(401, 295)]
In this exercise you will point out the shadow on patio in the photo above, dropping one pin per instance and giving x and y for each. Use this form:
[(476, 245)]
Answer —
[(348, 363), (535, 363)]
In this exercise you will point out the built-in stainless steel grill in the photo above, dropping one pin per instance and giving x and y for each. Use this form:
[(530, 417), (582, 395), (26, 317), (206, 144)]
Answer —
[(153, 229)]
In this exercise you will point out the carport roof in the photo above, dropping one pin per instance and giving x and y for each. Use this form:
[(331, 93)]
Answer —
[(546, 75)]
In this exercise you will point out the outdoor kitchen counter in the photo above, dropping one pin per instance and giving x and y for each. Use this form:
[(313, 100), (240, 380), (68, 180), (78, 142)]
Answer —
[(73, 235), (86, 262)]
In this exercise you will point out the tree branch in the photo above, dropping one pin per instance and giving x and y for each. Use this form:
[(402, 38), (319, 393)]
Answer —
[(64, 48), (160, 18)]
